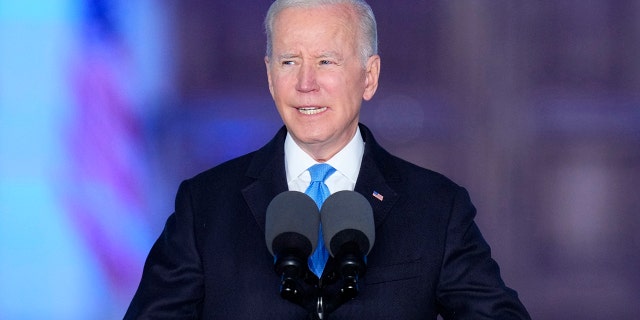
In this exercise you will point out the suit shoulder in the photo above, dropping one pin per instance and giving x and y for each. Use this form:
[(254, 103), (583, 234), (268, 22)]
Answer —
[(248, 165), (396, 169), (232, 169), (412, 173), (420, 185)]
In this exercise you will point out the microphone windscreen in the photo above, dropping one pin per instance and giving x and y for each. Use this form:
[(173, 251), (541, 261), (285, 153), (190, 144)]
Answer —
[(292, 217), (347, 217)]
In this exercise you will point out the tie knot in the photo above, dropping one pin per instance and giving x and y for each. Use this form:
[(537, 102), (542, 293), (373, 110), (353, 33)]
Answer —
[(319, 172)]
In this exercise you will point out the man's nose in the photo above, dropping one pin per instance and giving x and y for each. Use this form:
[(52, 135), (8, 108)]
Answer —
[(307, 80)]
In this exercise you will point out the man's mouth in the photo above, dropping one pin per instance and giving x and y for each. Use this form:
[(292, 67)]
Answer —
[(311, 110)]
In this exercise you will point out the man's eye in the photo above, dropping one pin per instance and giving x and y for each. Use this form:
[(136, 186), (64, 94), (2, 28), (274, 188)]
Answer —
[(326, 62), (287, 62)]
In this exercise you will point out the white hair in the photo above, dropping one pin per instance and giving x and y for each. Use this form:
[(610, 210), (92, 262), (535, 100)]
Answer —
[(367, 37)]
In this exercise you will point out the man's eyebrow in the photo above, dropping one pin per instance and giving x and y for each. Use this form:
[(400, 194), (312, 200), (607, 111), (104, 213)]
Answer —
[(285, 56), (321, 55), (330, 54)]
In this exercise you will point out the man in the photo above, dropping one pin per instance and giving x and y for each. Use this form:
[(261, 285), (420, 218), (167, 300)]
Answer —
[(429, 258)]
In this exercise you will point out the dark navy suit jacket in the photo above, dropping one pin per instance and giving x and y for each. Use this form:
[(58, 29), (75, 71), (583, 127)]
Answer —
[(429, 258)]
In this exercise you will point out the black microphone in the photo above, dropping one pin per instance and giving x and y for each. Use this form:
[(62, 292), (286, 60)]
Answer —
[(349, 233), (291, 234)]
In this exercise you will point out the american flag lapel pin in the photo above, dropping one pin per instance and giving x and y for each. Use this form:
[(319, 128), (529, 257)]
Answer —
[(377, 195)]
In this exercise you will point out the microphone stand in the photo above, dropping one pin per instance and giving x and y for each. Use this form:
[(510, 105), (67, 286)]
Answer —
[(351, 267), (292, 271)]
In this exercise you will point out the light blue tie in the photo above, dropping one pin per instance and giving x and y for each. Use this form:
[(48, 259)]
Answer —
[(319, 192)]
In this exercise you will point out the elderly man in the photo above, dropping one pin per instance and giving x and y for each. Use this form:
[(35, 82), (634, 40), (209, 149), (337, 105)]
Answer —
[(429, 258)]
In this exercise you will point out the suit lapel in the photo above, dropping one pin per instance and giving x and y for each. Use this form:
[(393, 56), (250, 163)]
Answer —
[(375, 178), (267, 168), (371, 180)]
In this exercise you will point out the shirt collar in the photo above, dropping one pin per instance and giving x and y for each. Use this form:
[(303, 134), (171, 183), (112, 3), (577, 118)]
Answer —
[(347, 161)]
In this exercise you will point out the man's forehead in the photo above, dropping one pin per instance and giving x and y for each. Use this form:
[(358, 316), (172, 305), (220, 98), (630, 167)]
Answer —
[(292, 30), (331, 47), (339, 15)]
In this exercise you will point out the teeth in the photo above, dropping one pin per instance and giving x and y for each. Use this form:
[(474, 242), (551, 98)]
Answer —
[(311, 110)]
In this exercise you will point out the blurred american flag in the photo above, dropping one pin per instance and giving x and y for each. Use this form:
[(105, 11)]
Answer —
[(106, 198)]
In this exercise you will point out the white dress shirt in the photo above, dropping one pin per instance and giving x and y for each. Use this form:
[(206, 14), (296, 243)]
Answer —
[(346, 162)]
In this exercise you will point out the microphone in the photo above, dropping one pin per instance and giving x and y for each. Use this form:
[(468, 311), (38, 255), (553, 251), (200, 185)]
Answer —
[(349, 233), (291, 234)]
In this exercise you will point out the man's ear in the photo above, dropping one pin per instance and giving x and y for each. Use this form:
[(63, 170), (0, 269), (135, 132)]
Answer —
[(268, 65), (371, 77)]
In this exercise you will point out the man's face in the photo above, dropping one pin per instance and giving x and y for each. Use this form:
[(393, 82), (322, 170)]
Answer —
[(317, 78)]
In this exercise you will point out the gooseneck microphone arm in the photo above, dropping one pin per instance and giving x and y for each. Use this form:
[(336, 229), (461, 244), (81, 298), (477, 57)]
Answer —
[(291, 268), (349, 233), (291, 234), (351, 268)]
